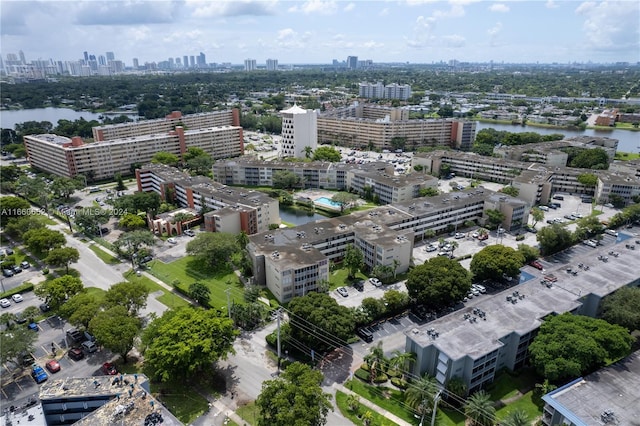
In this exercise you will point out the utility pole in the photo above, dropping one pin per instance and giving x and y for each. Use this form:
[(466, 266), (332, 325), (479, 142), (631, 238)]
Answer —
[(278, 340), (228, 301), (435, 406)]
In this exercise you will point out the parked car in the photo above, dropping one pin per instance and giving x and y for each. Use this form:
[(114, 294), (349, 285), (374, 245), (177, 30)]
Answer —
[(44, 307), (109, 369), (17, 298), (482, 289), (342, 291), (483, 237), (89, 347), (172, 241), (76, 354), (536, 265), (358, 285), (189, 233), (458, 235), (25, 265), (53, 366), (609, 205), (7, 272), (5, 303), (16, 269), (375, 282), (38, 374), (365, 334), (431, 248)]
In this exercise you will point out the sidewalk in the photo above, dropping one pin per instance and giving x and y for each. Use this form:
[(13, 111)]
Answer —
[(397, 420)]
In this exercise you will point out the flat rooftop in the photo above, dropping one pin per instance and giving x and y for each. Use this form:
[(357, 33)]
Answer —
[(614, 388), (458, 337)]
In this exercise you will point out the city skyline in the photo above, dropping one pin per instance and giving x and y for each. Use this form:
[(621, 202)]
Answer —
[(318, 31)]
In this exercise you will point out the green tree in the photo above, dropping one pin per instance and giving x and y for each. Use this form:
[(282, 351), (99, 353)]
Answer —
[(58, 290), (510, 190), (479, 409), (595, 158), (428, 192), (528, 252), (133, 296), (285, 179), (91, 219), (131, 221), (200, 165), (588, 227), (495, 261), (63, 187), (623, 308), (13, 207), (308, 151), (376, 361), (16, 227), (43, 239), (213, 249), (421, 393), (536, 215), (128, 244), (344, 199), (116, 330), (438, 282), (327, 153), (318, 321), (167, 158), (588, 179), (517, 417), (554, 238), (456, 391), (242, 239), (372, 307), (399, 362), (395, 301), (194, 152), (587, 343), (353, 260), (200, 293), (495, 217), (16, 342), (62, 257), (80, 309), (186, 341), (294, 399), (353, 402)]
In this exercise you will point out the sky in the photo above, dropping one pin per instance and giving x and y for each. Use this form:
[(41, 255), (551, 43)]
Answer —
[(318, 31)]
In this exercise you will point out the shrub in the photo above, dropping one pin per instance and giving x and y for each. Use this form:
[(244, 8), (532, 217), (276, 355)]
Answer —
[(394, 373), (381, 378), (399, 383), (365, 367), (362, 375), (519, 237), (45, 271)]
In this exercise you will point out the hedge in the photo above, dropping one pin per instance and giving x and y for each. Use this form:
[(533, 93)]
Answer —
[(399, 383), (23, 288), (362, 375)]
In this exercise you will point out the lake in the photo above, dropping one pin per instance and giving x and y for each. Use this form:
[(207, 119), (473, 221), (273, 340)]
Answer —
[(9, 118), (298, 217), (629, 141)]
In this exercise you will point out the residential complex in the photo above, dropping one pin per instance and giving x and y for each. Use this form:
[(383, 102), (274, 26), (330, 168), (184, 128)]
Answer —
[(117, 147), (375, 127), (608, 396), (224, 209), (376, 177), (474, 343), (299, 131), (379, 90), (293, 261)]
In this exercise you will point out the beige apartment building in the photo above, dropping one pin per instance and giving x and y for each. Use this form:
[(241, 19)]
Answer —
[(365, 126)]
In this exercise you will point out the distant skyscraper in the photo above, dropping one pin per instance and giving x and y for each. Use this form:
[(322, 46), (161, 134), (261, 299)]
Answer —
[(202, 60), (86, 56), (272, 64), (136, 64), (192, 61), (111, 56), (178, 61), (185, 61), (22, 58), (352, 62), (102, 60), (249, 64)]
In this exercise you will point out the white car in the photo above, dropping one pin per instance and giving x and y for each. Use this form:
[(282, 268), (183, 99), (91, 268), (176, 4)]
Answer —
[(431, 248), (458, 235), (475, 235), (479, 287), (5, 303), (342, 291), (375, 282), (172, 241), (17, 298)]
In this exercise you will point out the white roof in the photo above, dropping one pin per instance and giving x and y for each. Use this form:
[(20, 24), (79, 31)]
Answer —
[(295, 109)]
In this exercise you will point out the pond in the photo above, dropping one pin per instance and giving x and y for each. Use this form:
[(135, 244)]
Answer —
[(299, 217)]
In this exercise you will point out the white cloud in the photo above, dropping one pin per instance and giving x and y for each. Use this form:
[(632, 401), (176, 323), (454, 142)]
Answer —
[(422, 32), (499, 7), (493, 33), (419, 2), (322, 7), (221, 8), (384, 12), (287, 38), (372, 45), (130, 12), (454, 40), (551, 4), (349, 7), (456, 11), (611, 25)]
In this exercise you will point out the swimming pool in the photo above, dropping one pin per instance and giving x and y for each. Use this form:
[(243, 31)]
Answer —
[(327, 202)]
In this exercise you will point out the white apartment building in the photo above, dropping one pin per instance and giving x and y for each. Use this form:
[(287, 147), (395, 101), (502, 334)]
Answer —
[(299, 130), (272, 65), (250, 65)]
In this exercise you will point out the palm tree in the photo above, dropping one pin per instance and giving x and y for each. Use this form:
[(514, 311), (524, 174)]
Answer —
[(367, 418), (353, 402), (308, 151), (479, 409), (376, 361), (396, 263), (242, 239), (421, 393), (456, 391), (517, 417), (398, 361), (454, 245)]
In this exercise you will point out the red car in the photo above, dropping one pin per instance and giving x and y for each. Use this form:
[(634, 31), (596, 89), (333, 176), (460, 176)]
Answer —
[(537, 265), (109, 369), (53, 366)]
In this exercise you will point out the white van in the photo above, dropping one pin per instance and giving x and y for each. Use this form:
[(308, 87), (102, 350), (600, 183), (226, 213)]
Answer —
[(611, 232)]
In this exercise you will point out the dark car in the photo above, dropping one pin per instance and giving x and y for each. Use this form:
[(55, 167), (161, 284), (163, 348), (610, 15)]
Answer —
[(536, 265), (76, 354), (16, 269), (44, 307), (365, 334), (8, 272), (109, 369), (359, 285), (75, 336)]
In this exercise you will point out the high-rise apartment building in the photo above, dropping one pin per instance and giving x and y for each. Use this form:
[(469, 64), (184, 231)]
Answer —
[(111, 56), (136, 64), (250, 65), (202, 60), (192, 61), (185, 61), (272, 64), (299, 130), (23, 59), (352, 62)]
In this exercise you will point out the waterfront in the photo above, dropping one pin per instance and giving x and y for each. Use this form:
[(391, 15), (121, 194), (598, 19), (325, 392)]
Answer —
[(9, 118), (298, 217)]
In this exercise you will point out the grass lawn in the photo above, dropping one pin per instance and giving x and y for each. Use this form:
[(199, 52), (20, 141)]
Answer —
[(338, 278), (103, 255), (626, 156), (186, 271), (526, 403), (376, 419), (507, 385), (248, 412), (169, 299), (389, 399), (181, 400), (95, 291), (450, 417)]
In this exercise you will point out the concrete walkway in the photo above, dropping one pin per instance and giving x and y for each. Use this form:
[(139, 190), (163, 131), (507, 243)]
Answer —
[(397, 420)]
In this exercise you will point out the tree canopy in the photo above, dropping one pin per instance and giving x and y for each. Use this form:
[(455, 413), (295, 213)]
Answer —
[(132, 296), (494, 261), (285, 179), (327, 153), (213, 248), (16, 341), (116, 330), (623, 308), (353, 260), (554, 238), (185, 341), (320, 322), (438, 282), (595, 158), (294, 399), (56, 291), (568, 346), (62, 257), (167, 158), (42, 240), (344, 199)]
